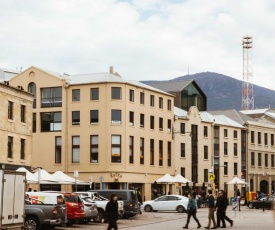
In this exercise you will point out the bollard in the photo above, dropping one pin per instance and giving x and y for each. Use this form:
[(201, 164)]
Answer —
[(263, 205)]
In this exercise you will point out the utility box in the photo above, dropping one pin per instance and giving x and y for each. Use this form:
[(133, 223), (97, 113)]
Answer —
[(12, 202)]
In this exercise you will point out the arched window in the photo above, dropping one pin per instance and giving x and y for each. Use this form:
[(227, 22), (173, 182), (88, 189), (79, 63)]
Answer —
[(32, 89)]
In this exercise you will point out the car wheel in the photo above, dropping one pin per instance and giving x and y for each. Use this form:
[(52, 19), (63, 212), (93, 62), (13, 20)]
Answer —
[(180, 209), (32, 223), (250, 205), (99, 217), (148, 208)]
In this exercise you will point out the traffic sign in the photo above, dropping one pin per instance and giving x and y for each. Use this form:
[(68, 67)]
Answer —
[(211, 176)]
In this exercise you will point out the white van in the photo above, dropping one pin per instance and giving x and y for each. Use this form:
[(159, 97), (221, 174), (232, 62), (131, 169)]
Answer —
[(44, 198)]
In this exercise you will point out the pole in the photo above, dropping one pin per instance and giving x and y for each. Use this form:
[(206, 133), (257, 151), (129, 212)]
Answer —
[(39, 175)]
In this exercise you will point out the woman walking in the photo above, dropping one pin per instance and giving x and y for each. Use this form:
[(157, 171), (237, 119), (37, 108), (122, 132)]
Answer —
[(111, 212), (191, 210)]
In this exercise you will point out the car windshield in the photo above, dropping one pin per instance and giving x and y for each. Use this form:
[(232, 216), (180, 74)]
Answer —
[(88, 199), (72, 199), (162, 198)]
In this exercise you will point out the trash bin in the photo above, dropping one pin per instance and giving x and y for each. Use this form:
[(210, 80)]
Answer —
[(232, 199)]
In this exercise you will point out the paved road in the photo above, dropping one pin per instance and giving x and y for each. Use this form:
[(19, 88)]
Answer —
[(246, 219)]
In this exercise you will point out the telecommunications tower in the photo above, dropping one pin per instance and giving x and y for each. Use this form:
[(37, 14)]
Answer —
[(247, 88)]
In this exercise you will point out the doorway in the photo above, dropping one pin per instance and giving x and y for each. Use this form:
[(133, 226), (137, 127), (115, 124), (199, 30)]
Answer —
[(264, 186)]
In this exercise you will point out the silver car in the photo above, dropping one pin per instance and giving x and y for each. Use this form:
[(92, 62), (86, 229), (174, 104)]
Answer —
[(90, 209)]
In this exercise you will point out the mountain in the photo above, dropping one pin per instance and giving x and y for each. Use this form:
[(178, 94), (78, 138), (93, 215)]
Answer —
[(224, 92)]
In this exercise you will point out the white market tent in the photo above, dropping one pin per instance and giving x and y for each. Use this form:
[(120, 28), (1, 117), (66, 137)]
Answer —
[(31, 179), (166, 179), (63, 178), (236, 181), (180, 179), (44, 176)]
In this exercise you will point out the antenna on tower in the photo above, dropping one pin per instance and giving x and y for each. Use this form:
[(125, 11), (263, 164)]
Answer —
[(247, 87)]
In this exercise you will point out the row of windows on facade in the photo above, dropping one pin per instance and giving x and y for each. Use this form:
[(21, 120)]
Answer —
[(11, 148), (259, 135), (206, 171), (266, 159), (51, 121), (116, 150), (52, 97), (11, 113)]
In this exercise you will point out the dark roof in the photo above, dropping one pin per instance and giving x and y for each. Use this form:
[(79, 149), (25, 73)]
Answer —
[(171, 86)]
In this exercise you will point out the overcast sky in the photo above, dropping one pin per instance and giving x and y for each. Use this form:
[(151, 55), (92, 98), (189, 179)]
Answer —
[(142, 39)]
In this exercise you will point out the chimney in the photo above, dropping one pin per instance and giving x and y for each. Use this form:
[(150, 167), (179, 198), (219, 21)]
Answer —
[(111, 70)]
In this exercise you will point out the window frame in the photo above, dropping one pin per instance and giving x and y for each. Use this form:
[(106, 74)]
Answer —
[(75, 117), (94, 117), (23, 113), (94, 94), (10, 110), (58, 150), (75, 94), (131, 95), (10, 147), (22, 149), (94, 156), (75, 147), (116, 116), (115, 157), (116, 93)]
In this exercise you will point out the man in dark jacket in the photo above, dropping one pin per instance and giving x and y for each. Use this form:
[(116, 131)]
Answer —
[(211, 206), (221, 206), (111, 212)]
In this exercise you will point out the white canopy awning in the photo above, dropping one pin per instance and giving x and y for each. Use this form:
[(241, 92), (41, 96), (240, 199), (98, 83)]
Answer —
[(44, 176), (31, 179), (236, 180), (63, 178), (180, 179), (166, 179)]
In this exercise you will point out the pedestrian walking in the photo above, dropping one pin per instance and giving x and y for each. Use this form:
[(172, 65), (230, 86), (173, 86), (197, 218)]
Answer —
[(227, 203), (111, 212), (220, 207), (211, 211), (239, 199), (191, 211)]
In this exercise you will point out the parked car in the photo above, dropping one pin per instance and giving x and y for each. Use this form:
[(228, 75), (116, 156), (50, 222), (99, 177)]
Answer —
[(44, 210), (167, 203), (101, 203), (265, 202), (90, 209), (129, 198)]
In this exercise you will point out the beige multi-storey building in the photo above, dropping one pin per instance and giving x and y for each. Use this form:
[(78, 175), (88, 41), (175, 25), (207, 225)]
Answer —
[(15, 127), (207, 144), (116, 131)]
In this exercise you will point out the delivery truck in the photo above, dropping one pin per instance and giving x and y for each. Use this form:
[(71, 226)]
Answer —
[(12, 202)]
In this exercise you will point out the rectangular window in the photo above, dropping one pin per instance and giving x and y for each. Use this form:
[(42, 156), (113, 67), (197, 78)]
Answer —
[(161, 103), (58, 152), (141, 156), (225, 168), (116, 116), (225, 134), (51, 122), (259, 159), (131, 150), (10, 110), (94, 94), (265, 139), (141, 120), (131, 118), (160, 124), (182, 171), (94, 149), (152, 122), (23, 113), (169, 155), (272, 139), (116, 93), (225, 148), (142, 98), (152, 100), (205, 175), (252, 137), (94, 116), (182, 149), (235, 149), (160, 153), (205, 152), (259, 138), (75, 149), (182, 128), (205, 131), (10, 147), (169, 125), (252, 158), (116, 149), (235, 169), (22, 149), (272, 161), (152, 143), (169, 105), (76, 95), (51, 97), (132, 95), (266, 160), (34, 122), (75, 117), (235, 134)]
